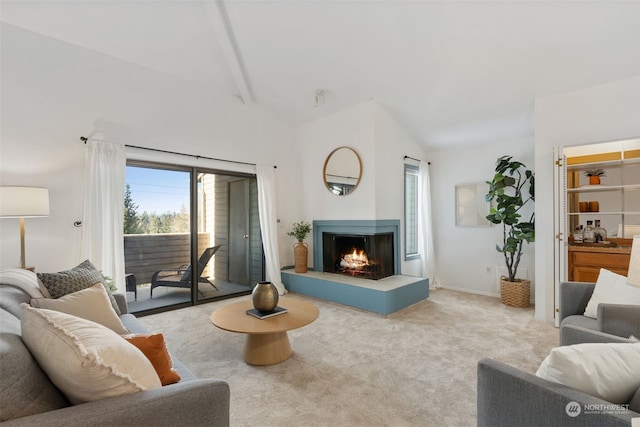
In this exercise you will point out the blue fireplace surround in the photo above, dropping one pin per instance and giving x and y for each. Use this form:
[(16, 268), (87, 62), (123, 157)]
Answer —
[(383, 296)]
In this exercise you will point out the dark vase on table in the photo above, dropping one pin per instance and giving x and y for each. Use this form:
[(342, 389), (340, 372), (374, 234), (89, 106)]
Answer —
[(265, 296)]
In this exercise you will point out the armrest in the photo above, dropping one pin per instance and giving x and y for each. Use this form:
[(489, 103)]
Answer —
[(622, 320), (574, 297), (572, 334), (121, 300), (192, 403), (158, 275), (508, 396)]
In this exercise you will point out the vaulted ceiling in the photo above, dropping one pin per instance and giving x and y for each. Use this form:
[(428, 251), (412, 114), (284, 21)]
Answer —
[(450, 72)]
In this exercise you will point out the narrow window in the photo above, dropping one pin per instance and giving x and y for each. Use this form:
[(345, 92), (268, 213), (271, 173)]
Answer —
[(410, 212)]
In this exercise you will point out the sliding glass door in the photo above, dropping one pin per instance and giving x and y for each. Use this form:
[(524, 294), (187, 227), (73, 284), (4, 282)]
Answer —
[(190, 236)]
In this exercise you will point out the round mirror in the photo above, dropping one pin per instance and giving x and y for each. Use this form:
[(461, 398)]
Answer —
[(342, 171)]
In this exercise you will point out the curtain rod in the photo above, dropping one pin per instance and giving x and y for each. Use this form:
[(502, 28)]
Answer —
[(413, 158), (84, 139)]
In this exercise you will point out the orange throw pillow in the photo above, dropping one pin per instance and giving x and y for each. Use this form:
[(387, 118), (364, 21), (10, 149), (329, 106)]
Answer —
[(154, 347)]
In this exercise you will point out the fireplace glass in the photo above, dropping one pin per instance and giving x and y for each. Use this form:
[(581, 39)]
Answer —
[(365, 256)]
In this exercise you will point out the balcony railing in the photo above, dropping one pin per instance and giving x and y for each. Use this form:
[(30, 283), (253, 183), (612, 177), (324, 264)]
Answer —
[(144, 254)]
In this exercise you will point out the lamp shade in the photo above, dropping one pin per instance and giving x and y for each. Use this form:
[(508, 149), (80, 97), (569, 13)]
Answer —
[(633, 277), (23, 202)]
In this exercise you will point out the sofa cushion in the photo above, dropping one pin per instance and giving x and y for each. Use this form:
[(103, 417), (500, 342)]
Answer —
[(91, 303), (84, 359), (11, 298), (611, 288), (608, 371), (25, 280), (24, 388), (634, 404), (154, 347), (80, 277)]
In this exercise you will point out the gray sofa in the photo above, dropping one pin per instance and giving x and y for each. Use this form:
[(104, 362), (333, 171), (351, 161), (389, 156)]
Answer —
[(508, 396), (29, 398)]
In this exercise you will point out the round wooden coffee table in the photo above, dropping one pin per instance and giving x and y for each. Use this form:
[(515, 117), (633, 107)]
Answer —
[(267, 341)]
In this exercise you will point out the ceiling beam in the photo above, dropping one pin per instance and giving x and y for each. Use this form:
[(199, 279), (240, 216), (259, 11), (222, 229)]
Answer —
[(217, 14)]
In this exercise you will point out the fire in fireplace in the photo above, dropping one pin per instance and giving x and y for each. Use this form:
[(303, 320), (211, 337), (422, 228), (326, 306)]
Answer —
[(366, 256)]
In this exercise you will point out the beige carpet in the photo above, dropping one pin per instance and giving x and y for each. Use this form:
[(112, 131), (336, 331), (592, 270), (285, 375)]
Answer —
[(354, 368)]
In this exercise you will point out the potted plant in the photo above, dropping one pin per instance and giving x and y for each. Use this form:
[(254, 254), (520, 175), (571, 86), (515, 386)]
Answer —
[(511, 188), (300, 231), (594, 175)]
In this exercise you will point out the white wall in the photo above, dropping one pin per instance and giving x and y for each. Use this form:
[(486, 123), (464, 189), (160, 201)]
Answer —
[(354, 128), (381, 144), (392, 143), (53, 93), (463, 254), (598, 114)]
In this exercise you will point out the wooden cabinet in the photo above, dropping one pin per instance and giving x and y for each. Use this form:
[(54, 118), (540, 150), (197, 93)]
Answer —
[(585, 262)]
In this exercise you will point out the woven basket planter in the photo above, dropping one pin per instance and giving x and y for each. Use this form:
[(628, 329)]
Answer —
[(515, 294), (300, 255)]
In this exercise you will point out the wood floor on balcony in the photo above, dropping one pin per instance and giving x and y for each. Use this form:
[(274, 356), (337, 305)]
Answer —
[(165, 296)]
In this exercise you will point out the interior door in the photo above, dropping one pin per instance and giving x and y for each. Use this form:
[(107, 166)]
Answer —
[(560, 226), (239, 231)]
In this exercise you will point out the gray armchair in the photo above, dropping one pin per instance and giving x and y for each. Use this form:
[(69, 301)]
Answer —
[(508, 396), (614, 323)]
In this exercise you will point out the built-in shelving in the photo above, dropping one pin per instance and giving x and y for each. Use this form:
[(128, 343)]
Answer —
[(614, 203), (598, 188), (618, 195)]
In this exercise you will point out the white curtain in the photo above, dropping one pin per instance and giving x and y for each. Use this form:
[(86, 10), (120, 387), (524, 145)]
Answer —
[(269, 224), (103, 211), (428, 267)]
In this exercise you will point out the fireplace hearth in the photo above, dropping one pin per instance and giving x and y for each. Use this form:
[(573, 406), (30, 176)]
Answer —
[(383, 296), (367, 256)]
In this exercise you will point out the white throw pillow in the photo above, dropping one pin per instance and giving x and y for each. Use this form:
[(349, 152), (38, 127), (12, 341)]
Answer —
[(608, 371), (25, 280), (91, 303), (611, 288), (85, 360)]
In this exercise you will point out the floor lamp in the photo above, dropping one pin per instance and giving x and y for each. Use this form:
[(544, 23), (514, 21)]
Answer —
[(23, 202), (633, 277)]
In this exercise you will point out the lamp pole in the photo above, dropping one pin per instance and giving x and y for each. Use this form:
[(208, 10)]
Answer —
[(22, 257)]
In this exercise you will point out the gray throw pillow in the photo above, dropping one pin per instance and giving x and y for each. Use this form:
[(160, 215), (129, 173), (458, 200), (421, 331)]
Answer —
[(78, 278)]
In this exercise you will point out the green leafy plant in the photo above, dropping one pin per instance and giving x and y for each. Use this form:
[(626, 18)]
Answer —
[(594, 172), (511, 188), (109, 282), (300, 230)]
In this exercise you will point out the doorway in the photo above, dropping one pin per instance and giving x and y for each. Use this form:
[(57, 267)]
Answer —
[(246, 266), (178, 233), (595, 220), (239, 231)]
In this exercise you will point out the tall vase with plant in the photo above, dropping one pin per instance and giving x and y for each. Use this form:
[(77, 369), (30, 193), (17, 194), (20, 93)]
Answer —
[(300, 231), (510, 190)]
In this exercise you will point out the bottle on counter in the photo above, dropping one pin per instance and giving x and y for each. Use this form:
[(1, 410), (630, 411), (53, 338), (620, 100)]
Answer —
[(577, 234), (599, 233), (588, 235)]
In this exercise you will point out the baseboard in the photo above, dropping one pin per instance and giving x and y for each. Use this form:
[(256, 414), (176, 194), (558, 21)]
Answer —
[(487, 294), (472, 291)]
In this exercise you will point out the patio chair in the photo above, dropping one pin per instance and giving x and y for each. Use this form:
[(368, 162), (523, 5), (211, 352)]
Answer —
[(181, 277)]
